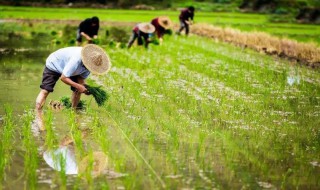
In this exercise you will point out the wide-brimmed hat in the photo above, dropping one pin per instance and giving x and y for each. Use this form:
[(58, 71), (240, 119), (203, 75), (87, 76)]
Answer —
[(146, 27), (95, 59), (165, 22)]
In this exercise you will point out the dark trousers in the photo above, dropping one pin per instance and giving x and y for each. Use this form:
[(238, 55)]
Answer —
[(139, 36), (184, 25)]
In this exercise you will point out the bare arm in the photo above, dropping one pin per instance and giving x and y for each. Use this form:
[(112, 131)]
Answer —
[(86, 36), (79, 86)]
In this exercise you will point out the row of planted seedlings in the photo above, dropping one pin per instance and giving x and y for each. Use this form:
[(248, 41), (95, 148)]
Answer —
[(152, 113), (240, 114), (7, 140), (277, 110)]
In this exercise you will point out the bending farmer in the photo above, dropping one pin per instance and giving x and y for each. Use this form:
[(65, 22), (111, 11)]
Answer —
[(142, 30), (88, 29), (186, 18), (72, 65), (161, 24)]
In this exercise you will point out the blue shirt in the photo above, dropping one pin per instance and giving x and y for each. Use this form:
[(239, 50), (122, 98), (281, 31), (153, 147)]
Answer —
[(67, 61)]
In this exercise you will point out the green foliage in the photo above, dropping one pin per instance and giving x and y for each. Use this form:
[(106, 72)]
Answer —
[(6, 141), (68, 33), (67, 103), (54, 33), (96, 41), (98, 93), (118, 34), (168, 32)]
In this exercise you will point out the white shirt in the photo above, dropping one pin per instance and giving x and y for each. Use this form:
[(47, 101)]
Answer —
[(67, 61)]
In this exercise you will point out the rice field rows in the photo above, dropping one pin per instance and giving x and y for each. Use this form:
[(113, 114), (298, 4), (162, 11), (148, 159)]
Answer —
[(190, 114)]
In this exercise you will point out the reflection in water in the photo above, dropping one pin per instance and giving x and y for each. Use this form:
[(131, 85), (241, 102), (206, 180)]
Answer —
[(62, 154), (64, 159)]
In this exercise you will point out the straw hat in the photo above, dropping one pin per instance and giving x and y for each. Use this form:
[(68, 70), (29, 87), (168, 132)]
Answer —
[(146, 27), (165, 22), (95, 59), (99, 163)]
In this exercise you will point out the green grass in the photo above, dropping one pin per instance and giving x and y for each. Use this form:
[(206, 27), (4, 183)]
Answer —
[(242, 21)]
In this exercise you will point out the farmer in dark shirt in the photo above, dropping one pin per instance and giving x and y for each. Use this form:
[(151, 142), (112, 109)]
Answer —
[(186, 18), (161, 24), (142, 30), (88, 29)]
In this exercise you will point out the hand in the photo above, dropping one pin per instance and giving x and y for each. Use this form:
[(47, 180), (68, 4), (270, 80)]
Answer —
[(89, 39), (86, 92), (82, 89)]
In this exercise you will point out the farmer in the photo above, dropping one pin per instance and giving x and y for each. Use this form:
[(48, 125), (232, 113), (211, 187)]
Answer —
[(161, 24), (72, 65), (88, 29), (186, 19), (142, 30)]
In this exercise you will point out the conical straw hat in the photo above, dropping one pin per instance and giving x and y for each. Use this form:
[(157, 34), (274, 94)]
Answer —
[(95, 59), (165, 22), (100, 162), (146, 27)]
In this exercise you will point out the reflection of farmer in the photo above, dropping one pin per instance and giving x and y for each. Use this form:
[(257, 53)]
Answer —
[(142, 30), (186, 18), (88, 29), (64, 156), (161, 24), (72, 65)]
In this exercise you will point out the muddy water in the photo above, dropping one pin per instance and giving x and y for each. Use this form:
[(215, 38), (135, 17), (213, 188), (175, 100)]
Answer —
[(21, 72)]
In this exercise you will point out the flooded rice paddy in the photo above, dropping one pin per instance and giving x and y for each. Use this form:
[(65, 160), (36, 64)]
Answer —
[(190, 114)]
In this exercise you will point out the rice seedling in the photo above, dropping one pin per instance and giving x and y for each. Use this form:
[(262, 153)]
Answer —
[(31, 161), (100, 133), (6, 141), (67, 103), (76, 134), (98, 93), (61, 160), (51, 140)]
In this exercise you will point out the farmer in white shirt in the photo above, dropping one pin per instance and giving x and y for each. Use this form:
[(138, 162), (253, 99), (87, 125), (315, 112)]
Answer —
[(72, 65)]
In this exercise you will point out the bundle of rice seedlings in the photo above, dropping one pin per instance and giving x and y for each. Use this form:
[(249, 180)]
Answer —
[(67, 103), (99, 94)]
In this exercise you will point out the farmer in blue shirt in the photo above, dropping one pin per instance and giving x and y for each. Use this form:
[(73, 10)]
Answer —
[(72, 65)]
